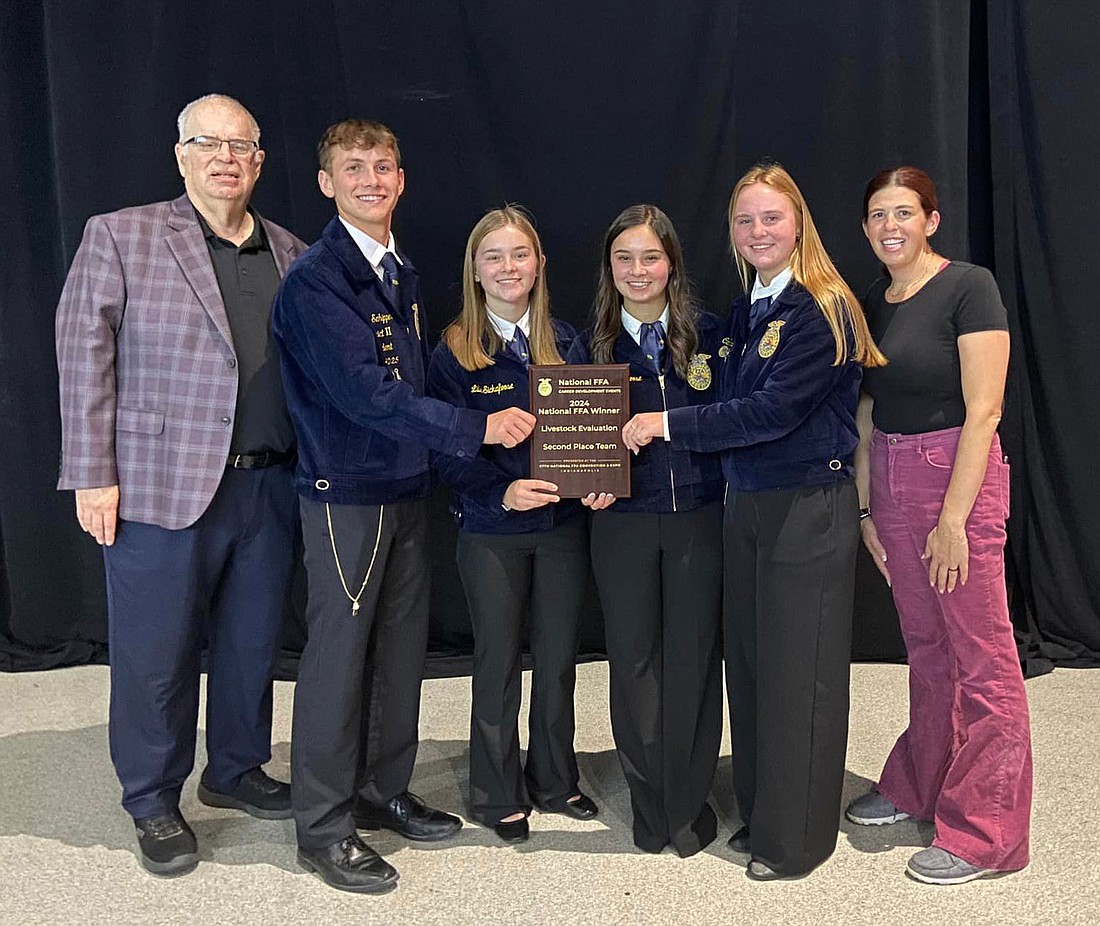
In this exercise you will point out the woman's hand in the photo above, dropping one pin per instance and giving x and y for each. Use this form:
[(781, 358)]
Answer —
[(525, 494), (874, 546), (596, 502), (642, 428), (948, 555)]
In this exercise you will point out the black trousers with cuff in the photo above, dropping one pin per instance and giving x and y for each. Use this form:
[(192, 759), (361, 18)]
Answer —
[(660, 582), (790, 560)]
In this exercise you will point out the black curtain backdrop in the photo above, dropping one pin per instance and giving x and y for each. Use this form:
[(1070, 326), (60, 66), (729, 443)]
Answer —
[(575, 109)]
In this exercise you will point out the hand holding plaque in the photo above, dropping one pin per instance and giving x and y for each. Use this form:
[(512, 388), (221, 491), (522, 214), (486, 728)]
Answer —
[(577, 442)]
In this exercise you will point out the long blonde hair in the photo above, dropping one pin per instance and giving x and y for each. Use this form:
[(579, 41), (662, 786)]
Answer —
[(811, 266), (471, 337)]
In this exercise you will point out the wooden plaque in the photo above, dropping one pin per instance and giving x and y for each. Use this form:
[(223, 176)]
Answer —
[(578, 442)]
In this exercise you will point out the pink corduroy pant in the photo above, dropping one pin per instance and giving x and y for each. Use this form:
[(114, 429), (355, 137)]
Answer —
[(965, 760)]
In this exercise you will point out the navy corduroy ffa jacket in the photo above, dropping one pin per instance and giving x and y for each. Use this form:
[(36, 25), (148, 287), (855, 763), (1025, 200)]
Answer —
[(667, 477), (787, 415), (479, 482), (353, 371)]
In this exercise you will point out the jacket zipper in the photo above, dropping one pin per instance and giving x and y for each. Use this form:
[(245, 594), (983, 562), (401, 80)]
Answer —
[(671, 476)]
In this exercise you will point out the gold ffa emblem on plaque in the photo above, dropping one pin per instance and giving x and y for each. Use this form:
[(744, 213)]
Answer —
[(698, 375), (724, 350), (544, 387), (769, 343)]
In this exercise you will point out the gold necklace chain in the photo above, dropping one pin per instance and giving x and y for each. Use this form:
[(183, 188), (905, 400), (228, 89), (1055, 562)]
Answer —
[(336, 556), (925, 274)]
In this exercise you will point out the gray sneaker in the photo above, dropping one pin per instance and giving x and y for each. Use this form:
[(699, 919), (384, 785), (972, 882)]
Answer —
[(872, 809), (938, 866)]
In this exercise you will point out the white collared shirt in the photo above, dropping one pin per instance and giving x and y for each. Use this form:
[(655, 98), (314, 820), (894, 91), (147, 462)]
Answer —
[(634, 327), (372, 250), (507, 329), (774, 288)]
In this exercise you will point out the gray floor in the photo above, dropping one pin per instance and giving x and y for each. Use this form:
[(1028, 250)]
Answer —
[(67, 848)]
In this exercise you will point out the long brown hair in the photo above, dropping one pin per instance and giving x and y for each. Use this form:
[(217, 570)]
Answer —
[(811, 266), (681, 337), (471, 337)]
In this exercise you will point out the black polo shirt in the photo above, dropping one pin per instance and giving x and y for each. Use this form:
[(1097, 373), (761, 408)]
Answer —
[(248, 280)]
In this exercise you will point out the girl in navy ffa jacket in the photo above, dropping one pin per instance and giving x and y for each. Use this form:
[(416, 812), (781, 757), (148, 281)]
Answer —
[(521, 550), (657, 555), (791, 367)]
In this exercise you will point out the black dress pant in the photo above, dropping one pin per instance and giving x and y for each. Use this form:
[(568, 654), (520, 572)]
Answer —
[(357, 701), (660, 583), (790, 573), (508, 577)]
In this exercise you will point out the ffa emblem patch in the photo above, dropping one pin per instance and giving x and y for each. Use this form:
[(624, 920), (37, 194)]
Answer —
[(545, 388), (727, 346), (769, 344), (699, 372)]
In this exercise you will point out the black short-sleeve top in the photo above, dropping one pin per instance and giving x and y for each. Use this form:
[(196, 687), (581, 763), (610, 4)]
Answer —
[(920, 389)]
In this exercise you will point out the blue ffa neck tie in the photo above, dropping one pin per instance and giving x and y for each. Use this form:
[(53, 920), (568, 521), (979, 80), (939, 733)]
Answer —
[(652, 341), (389, 278), (758, 310), (520, 346)]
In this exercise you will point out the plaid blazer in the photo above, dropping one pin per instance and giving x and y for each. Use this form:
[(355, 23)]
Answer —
[(148, 374)]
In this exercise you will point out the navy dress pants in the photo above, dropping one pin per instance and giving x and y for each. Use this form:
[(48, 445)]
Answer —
[(224, 579)]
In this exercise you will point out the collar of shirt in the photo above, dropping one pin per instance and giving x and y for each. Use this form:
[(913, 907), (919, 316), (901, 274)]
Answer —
[(254, 241), (507, 329), (634, 327), (372, 250), (774, 288)]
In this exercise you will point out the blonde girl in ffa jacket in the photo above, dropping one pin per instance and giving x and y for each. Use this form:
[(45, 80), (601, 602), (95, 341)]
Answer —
[(522, 551), (791, 364)]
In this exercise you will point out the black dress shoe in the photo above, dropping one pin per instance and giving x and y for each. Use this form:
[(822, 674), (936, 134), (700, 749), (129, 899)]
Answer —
[(408, 816), (168, 845), (513, 830), (583, 808), (739, 841), (256, 793), (350, 865), (758, 871)]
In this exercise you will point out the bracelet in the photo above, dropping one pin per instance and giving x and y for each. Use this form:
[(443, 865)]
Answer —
[(864, 514)]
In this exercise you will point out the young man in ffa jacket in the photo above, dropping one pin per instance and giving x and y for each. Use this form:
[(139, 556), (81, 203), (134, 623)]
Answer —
[(351, 333)]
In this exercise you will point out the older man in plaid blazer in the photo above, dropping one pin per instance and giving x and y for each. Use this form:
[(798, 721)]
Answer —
[(176, 438)]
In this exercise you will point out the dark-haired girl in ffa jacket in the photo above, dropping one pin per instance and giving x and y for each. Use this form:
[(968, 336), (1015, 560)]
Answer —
[(522, 551), (657, 556), (791, 367)]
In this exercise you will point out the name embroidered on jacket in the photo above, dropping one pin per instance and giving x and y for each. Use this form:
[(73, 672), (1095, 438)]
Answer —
[(491, 388)]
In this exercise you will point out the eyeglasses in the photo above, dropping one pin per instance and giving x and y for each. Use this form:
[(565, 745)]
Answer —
[(208, 144)]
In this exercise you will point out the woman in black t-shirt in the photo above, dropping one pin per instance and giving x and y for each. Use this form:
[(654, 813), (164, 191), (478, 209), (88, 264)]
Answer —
[(933, 490)]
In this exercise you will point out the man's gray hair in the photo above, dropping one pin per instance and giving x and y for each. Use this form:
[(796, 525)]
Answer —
[(186, 112)]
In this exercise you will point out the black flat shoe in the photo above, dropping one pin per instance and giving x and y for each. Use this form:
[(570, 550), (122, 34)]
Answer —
[(758, 871), (583, 808), (408, 816), (513, 830), (257, 794), (739, 841), (350, 865), (167, 844)]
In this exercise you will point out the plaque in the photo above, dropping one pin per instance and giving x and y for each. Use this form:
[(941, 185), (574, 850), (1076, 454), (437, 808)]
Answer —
[(578, 441)]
